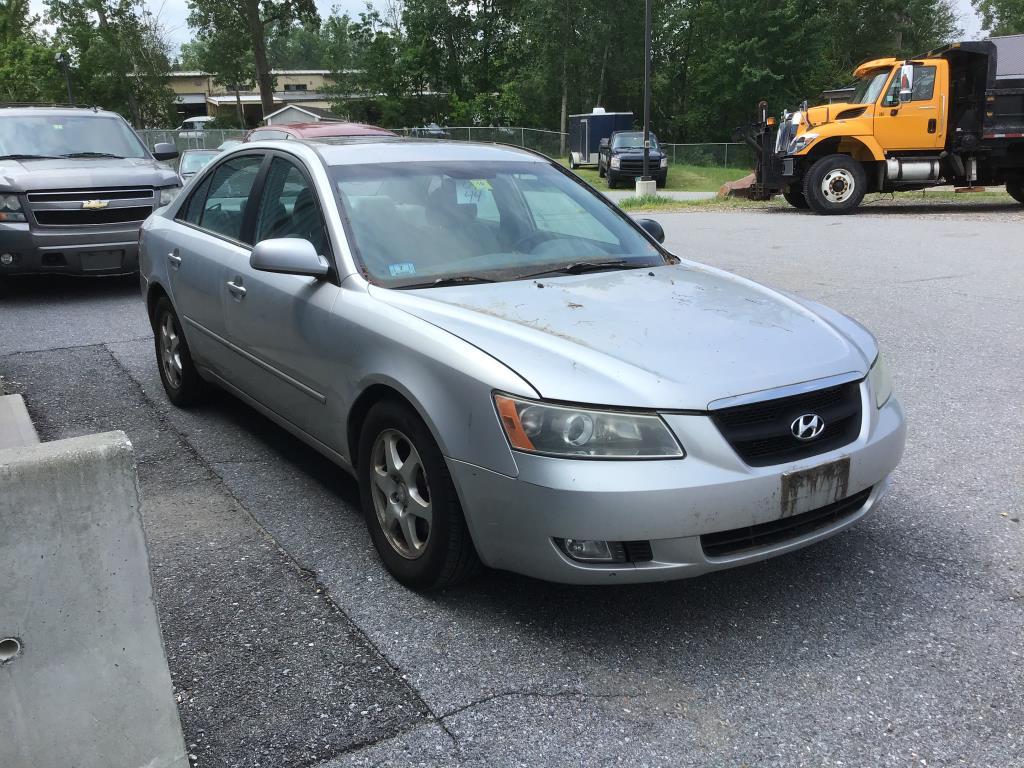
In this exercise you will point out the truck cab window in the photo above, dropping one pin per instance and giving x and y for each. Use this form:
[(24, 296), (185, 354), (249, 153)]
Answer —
[(924, 83)]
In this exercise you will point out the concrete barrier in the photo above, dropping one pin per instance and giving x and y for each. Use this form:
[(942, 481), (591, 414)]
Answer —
[(83, 676), (15, 425)]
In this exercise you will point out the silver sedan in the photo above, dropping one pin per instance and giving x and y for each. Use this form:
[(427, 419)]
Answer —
[(517, 373)]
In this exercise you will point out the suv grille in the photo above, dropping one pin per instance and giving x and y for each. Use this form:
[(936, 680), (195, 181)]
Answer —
[(737, 540), (81, 195), (761, 432), (57, 217)]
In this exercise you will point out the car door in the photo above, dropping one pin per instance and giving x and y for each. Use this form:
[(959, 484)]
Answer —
[(916, 124), (208, 238), (280, 324)]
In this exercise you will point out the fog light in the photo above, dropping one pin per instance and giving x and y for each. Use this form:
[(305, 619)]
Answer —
[(588, 550), (7, 259)]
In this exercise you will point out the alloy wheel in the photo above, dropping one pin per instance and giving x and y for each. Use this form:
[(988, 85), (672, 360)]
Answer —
[(170, 351), (401, 495)]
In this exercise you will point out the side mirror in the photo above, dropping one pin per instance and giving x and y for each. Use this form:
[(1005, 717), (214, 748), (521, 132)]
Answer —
[(288, 256), (906, 95), (652, 228), (605, 143), (165, 151)]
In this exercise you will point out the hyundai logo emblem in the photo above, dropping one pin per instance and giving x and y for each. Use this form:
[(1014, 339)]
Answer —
[(807, 427)]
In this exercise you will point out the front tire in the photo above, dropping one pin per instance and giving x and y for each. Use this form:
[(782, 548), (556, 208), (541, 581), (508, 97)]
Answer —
[(181, 380), (796, 199), (611, 180), (835, 184), (1015, 188), (409, 501)]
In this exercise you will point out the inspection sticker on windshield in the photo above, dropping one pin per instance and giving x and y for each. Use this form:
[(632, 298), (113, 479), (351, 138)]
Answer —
[(405, 268), (471, 190)]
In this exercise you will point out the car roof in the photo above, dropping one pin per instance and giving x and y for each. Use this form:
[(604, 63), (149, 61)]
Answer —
[(55, 111), (397, 150), (329, 128), (200, 151)]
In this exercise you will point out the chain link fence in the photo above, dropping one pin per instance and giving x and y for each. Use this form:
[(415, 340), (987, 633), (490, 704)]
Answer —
[(212, 138), (714, 155)]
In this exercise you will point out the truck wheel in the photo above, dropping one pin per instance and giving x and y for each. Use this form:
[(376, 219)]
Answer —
[(1015, 188), (611, 181), (796, 199), (835, 184)]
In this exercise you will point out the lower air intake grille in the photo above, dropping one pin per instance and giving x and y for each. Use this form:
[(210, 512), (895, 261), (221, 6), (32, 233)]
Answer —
[(737, 540)]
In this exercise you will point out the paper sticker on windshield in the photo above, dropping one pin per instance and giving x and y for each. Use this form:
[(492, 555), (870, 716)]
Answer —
[(471, 190), (400, 270)]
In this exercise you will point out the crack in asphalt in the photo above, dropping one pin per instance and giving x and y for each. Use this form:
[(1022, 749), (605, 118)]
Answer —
[(303, 571)]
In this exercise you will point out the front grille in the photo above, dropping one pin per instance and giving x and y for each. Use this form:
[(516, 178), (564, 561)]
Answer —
[(84, 216), (761, 433), (737, 540), (637, 166), (81, 195)]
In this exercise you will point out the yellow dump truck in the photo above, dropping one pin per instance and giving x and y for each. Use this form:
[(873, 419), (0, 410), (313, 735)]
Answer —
[(952, 116)]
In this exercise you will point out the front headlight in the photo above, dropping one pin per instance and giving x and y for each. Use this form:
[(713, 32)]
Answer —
[(880, 381), (801, 142), (10, 208), (664, 162), (616, 162), (167, 195), (578, 432)]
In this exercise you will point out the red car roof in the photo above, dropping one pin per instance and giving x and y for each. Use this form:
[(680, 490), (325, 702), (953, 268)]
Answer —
[(324, 129)]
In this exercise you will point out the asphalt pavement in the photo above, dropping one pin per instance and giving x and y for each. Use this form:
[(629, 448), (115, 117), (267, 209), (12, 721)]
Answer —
[(897, 643)]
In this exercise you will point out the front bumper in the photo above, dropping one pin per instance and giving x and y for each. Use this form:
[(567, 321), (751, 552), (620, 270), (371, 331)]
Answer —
[(92, 250), (514, 520)]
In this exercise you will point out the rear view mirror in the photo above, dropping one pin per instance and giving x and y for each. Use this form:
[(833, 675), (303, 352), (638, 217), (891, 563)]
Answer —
[(165, 151), (288, 256), (652, 228)]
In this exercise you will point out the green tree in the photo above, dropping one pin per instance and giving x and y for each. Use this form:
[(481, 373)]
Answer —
[(120, 56), (251, 20), (1001, 17)]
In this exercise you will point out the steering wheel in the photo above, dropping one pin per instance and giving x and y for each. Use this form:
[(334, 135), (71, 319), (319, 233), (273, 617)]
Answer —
[(527, 243)]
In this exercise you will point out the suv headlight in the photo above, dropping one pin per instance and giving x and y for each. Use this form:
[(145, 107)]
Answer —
[(615, 162), (800, 142), (579, 432), (880, 381), (167, 195), (10, 208)]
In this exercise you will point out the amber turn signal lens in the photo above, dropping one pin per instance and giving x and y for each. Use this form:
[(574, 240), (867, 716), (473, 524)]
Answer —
[(513, 426), (771, 122)]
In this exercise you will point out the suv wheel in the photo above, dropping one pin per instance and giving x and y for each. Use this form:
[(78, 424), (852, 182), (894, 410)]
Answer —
[(178, 373), (409, 501), (835, 184), (1015, 187)]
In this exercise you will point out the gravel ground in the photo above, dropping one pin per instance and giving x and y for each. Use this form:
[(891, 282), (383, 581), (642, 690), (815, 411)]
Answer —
[(897, 643)]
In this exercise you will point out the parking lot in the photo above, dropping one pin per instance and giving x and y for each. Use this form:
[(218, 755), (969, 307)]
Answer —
[(897, 643)]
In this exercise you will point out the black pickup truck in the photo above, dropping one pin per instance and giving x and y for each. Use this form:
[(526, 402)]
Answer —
[(621, 158)]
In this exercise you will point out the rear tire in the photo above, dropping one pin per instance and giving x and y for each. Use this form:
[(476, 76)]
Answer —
[(600, 170), (1015, 188), (835, 184), (181, 380), (796, 199), (409, 501)]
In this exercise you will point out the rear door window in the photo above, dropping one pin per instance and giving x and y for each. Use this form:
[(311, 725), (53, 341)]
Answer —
[(230, 187)]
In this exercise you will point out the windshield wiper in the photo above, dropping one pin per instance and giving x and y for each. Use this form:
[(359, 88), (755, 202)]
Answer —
[(93, 154), (441, 282), (579, 267), (27, 157)]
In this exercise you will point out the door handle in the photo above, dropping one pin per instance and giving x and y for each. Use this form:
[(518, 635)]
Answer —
[(237, 289), (174, 258)]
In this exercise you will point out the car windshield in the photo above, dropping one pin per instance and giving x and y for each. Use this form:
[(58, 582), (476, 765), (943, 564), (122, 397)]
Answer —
[(632, 141), (869, 87), (191, 162), (84, 135), (426, 223)]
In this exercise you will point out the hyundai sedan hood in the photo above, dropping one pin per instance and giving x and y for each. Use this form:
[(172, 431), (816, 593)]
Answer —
[(84, 173), (673, 337)]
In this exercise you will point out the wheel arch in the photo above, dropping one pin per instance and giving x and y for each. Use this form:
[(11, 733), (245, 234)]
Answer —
[(154, 293)]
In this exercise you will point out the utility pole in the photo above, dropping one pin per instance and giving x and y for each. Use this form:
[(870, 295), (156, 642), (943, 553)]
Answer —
[(64, 62), (646, 185)]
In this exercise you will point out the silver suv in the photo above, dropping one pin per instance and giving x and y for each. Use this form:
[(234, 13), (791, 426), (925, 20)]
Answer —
[(75, 186)]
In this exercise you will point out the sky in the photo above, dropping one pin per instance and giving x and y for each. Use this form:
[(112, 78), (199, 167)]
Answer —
[(173, 13)]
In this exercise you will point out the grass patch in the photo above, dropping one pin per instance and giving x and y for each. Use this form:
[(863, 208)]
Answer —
[(681, 178)]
